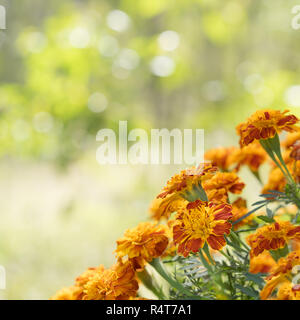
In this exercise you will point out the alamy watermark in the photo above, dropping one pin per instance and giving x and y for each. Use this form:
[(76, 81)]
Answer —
[(296, 19), (2, 17), (162, 147), (2, 278)]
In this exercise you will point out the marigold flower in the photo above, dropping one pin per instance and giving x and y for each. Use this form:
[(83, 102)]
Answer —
[(291, 139), (163, 208), (202, 222), (272, 237), (295, 245), (239, 209), (288, 291), (280, 274), (220, 184), (220, 157), (117, 283), (186, 179), (294, 168), (263, 263), (171, 248), (143, 243), (76, 292), (252, 156), (295, 154), (277, 181), (68, 293), (264, 124)]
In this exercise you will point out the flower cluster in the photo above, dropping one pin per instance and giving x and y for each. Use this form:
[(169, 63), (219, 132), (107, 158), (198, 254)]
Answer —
[(201, 224)]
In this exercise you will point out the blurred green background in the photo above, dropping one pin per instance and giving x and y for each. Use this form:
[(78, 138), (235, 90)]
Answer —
[(69, 68)]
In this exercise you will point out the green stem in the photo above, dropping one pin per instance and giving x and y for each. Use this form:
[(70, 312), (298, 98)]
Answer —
[(157, 265), (147, 281), (237, 238), (272, 147), (206, 250), (268, 148), (204, 262)]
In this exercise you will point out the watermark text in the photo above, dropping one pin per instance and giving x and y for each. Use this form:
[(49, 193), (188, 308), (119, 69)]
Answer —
[(164, 146)]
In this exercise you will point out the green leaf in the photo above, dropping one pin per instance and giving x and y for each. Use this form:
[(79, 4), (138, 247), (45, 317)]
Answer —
[(255, 278), (247, 291), (266, 219)]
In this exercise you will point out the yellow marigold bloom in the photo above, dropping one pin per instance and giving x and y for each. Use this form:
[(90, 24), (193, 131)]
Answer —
[(220, 157), (163, 208), (220, 184), (295, 245), (252, 156), (272, 237), (87, 275), (76, 292), (117, 283), (202, 222), (295, 153), (171, 248), (264, 124), (186, 179), (280, 274), (285, 291), (294, 168), (239, 209), (291, 139), (263, 263), (288, 291), (70, 293), (277, 181), (143, 243)]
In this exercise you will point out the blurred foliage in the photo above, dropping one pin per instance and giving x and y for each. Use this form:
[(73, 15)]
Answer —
[(231, 56)]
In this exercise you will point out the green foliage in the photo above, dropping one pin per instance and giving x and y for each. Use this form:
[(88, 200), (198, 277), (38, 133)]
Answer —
[(222, 64)]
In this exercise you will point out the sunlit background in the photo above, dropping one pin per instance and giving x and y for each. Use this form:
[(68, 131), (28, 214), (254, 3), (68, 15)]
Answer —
[(70, 68)]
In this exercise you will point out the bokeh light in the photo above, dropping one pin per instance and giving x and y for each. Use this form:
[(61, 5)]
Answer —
[(162, 66)]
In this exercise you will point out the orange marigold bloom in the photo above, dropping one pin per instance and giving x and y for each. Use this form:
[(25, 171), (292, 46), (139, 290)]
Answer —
[(70, 293), (252, 156), (272, 237), (277, 181), (76, 292), (239, 209), (291, 139), (264, 124), (186, 179), (295, 154), (220, 184), (220, 157), (295, 245), (280, 274), (263, 263), (171, 248), (117, 283), (288, 291), (163, 208), (294, 168), (143, 243), (202, 222)]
